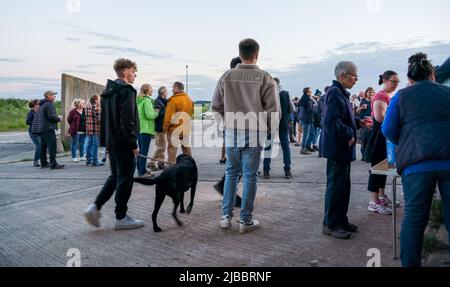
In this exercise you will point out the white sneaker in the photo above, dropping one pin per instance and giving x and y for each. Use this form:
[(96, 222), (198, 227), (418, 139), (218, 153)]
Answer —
[(128, 223), (83, 158), (75, 159), (225, 223), (248, 227), (93, 215), (379, 208)]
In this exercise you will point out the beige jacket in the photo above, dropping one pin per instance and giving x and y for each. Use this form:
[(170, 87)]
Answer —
[(250, 93)]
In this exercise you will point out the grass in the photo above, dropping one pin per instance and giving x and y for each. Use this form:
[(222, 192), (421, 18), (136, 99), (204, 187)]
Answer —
[(436, 216), (13, 113)]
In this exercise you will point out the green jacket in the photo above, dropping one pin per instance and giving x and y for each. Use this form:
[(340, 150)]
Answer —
[(147, 114)]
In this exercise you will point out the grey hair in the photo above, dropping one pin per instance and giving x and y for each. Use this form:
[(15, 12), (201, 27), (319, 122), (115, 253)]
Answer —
[(344, 67)]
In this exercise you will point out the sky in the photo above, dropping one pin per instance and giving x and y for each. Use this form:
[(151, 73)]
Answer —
[(301, 41)]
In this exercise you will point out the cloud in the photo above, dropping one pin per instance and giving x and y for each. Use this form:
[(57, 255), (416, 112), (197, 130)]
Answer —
[(11, 60), (26, 87), (111, 49), (78, 72), (73, 39), (109, 37)]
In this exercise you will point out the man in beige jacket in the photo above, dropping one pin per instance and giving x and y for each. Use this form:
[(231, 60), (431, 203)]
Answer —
[(247, 98)]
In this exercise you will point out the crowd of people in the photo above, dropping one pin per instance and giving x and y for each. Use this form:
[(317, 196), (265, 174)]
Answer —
[(415, 118)]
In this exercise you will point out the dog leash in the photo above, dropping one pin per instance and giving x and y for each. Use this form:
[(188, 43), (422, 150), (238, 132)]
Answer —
[(147, 157)]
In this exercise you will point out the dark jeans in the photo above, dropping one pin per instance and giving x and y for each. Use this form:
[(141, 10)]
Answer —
[(144, 145), (337, 196), (120, 181), (284, 141), (36, 139), (418, 192), (48, 140)]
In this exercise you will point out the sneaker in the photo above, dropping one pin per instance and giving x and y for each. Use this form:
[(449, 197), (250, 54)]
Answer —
[(223, 161), (336, 232), (248, 227), (305, 152), (266, 174), (45, 165), (297, 144), (387, 202), (36, 163), (75, 159), (128, 223), (57, 166), (83, 158), (225, 223), (92, 215), (379, 208)]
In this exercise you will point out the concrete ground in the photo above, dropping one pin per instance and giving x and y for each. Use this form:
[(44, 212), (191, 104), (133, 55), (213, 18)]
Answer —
[(41, 218)]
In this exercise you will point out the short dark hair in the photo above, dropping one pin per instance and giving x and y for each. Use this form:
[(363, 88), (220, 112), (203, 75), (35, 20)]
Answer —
[(122, 64), (33, 103), (234, 62), (248, 48), (160, 90), (179, 85), (368, 90), (93, 99), (305, 90), (419, 67), (386, 76)]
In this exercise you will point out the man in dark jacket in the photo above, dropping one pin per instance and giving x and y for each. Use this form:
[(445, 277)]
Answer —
[(157, 162), (118, 133), (306, 119), (44, 124), (339, 137), (287, 107)]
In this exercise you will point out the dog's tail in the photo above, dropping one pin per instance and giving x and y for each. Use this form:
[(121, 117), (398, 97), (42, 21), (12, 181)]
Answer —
[(146, 181)]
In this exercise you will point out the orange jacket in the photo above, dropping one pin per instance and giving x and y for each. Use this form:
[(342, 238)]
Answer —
[(179, 105)]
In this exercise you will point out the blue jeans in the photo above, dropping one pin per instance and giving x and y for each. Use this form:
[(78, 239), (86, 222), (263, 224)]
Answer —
[(317, 132), (78, 142), (308, 135), (144, 145), (418, 192), (284, 141), (36, 139), (92, 148), (246, 160)]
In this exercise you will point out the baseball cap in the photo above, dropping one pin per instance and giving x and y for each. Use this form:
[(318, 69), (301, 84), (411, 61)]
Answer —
[(49, 93)]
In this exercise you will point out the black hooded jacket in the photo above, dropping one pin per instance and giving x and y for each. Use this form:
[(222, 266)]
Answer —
[(119, 125)]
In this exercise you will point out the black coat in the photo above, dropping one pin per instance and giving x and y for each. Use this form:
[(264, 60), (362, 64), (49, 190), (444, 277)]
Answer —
[(160, 104), (46, 119), (285, 110), (30, 118), (306, 109), (119, 124), (339, 125)]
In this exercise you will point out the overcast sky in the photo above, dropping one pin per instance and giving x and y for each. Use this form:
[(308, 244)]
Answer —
[(301, 41)]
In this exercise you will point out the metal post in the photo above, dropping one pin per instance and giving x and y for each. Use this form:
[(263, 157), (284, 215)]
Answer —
[(394, 215), (187, 79)]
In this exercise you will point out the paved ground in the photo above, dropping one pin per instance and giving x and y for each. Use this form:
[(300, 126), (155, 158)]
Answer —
[(41, 219)]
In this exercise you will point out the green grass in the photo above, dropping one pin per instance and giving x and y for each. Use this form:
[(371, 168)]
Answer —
[(436, 216), (13, 113)]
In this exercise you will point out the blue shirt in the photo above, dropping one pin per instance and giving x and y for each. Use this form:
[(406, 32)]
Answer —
[(391, 130)]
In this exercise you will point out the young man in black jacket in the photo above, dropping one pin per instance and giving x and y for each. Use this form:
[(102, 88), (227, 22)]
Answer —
[(45, 123), (157, 162), (118, 133)]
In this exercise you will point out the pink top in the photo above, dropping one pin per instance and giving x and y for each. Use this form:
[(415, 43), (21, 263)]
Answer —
[(380, 96)]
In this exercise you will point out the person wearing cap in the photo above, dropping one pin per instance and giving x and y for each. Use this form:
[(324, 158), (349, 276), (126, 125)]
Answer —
[(44, 124)]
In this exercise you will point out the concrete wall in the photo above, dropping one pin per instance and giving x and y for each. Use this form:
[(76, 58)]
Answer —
[(75, 88)]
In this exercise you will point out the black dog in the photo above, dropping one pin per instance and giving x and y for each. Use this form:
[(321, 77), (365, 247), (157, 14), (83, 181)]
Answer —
[(174, 182)]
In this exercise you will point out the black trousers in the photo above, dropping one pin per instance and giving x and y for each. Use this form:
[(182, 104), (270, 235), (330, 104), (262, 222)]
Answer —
[(378, 155), (123, 165), (48, 141), (337, 196)]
